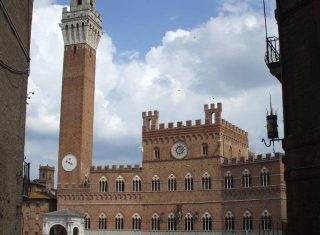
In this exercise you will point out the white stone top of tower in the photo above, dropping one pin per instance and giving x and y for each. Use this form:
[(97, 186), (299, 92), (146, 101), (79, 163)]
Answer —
[(82, 24)]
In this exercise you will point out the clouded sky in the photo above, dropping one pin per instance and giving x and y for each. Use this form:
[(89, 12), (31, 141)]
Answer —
[(169, 55)]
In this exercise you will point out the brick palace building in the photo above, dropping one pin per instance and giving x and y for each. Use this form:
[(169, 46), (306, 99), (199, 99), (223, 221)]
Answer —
[(195, 176)]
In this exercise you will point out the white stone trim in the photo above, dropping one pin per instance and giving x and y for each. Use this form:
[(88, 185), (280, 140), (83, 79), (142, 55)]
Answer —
[(81, 24)]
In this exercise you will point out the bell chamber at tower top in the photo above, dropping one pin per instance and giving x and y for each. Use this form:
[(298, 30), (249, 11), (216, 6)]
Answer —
[(82, 24)]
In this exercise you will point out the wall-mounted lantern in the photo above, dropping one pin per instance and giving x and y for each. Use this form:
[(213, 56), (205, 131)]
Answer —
[(272, 127)]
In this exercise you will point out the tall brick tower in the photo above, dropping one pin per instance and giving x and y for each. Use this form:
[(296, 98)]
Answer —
[(46, 176), (81, 28)]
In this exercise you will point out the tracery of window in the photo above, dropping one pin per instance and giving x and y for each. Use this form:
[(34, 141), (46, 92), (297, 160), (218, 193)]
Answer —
[(172, 183), (246, 179), (172, 222), (157, 153), (119, 222), (206, 181), (264, 177), (155, 222), (120, 184), (103, 185), (136, 222), (87, 221), (188, 182), (247, 221), (205, 149), (266, 220), (228, 180), (229, 221), (206, 222), (155, 185), (136, 184), (102, 221), (188, 222)]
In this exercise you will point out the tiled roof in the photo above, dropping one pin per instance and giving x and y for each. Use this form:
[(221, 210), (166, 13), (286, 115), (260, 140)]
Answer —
[(39, 195), (64, 213)]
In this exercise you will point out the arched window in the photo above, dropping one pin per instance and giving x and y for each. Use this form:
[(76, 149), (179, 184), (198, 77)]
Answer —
[(149, 124), (172, 183), (119, 222), (228, 180), (172, 222), (103, 184), (136, 222), (136, 184), (102, 221), (155, 185), (87, 221), (206, 222), (79, 2), (247, 221), (205, 149), (119, 184), (157, 153), (246, 178), (213, 118), (188, 222), (266, 220), (230, 151), (206, 181), (239, 153), (75, 231), (155, 222), (188, 182), (229, 221), (264, 177)]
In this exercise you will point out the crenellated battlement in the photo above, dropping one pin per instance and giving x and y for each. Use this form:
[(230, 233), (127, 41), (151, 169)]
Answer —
[(212, 113), (150, 114), (118, 168), (233, 127), (150, 120), (212, 107), (252, 159), (179, 124), (212, 118)]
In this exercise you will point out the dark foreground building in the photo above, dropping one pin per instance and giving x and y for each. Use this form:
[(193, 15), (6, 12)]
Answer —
[(15, 29), (299, 72)]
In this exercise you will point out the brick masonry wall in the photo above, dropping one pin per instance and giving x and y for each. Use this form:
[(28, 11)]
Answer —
[(216, 201), (33, 211)]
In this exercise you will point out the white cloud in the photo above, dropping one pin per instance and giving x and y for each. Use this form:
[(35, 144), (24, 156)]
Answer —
[(222, 58)]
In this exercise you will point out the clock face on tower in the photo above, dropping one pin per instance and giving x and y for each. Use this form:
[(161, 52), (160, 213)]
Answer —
[(69, 162), (179, 150)]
